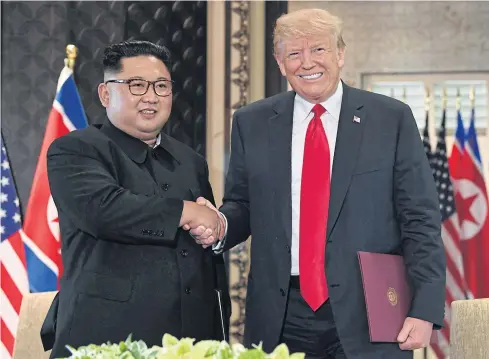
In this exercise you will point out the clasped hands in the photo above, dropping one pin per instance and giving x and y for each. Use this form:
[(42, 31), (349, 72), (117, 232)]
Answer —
[(204, 221)]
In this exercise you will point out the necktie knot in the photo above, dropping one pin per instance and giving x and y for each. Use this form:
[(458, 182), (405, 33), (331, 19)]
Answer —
[(318, 110)]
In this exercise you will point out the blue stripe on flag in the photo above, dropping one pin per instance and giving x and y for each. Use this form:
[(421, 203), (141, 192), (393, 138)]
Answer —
[(41, 278), (460, 132), (69, 99), (472, 138)]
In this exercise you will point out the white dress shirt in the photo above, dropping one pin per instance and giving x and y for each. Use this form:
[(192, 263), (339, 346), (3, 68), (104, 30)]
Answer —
[(301, 118)]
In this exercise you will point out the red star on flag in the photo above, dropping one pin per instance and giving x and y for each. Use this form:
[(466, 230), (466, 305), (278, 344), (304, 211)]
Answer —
[(463, 208)]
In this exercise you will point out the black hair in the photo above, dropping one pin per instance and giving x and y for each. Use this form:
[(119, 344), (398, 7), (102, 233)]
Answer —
[(115, 52)]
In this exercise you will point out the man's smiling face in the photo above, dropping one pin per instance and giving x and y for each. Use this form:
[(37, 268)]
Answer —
[(312, 66)]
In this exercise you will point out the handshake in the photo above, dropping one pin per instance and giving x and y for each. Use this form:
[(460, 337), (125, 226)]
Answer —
[(204, 221)]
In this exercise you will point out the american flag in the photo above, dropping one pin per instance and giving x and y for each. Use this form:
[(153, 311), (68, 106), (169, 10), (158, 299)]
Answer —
[(456, 285), (426, 140), (14, 282)]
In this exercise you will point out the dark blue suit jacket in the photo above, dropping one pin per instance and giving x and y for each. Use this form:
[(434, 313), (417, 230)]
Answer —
[(383, 199)]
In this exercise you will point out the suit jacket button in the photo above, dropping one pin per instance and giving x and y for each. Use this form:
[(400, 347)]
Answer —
[(282, 291), (187, 290), (184, 252), (165, 186)]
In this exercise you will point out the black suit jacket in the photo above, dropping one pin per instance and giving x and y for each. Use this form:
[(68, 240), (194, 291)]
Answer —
[(383, 199), (128, 267)]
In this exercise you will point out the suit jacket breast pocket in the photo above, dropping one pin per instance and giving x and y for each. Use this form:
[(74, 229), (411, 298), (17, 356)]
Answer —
[(104, 286), (370, 168)]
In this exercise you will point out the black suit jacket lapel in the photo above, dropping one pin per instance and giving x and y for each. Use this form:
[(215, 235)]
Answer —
[(280, 142), (348, 140)]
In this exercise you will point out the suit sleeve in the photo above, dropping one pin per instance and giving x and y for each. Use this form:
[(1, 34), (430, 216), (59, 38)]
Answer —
[(236, 206), (419, 215), (88, 194)]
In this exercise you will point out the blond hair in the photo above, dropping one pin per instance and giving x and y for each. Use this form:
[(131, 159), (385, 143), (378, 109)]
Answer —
[(307, 23)]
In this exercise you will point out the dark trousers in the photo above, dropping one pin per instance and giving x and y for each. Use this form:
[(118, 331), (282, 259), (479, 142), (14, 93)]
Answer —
[(309, 332)]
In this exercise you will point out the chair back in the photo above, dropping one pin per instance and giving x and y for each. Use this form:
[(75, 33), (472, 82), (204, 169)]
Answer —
[(469, 330), (33, 310)]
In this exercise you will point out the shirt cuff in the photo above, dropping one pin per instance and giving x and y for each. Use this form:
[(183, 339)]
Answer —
[(219, 245)]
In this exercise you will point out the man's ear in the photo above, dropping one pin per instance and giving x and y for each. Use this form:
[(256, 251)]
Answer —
[(103, 94), (280, 63), (341, 58)]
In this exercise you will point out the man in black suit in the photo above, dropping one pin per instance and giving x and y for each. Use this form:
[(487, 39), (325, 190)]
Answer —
[(123, 191), (316, 175)]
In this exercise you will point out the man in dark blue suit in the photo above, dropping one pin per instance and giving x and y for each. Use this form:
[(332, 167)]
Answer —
[(316, 175)]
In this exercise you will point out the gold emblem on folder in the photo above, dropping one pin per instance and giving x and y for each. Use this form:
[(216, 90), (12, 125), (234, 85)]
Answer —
[(392, 296)]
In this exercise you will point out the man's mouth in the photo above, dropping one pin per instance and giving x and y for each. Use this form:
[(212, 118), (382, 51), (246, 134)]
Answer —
[(311, 76), (148, 114)]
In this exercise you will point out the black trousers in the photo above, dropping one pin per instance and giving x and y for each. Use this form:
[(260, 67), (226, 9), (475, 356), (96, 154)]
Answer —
[(309, 332)]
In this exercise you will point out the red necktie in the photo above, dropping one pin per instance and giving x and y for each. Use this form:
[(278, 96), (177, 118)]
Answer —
[(314, 205)]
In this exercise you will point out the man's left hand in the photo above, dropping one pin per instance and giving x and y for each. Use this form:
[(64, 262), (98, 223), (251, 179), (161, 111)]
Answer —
[(415, 334)]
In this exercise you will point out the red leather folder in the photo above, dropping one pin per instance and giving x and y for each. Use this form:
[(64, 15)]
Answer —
[(387, 292)]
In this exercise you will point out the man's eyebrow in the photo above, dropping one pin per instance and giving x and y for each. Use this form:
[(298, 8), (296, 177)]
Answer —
[(140, 78)]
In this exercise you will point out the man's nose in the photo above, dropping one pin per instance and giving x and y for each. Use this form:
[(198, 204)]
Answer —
[(307, 62), (150, 95)]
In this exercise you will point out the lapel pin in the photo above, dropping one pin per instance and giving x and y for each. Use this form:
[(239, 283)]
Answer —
[(356, 119)]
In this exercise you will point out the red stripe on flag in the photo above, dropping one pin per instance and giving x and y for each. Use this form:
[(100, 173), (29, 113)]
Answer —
[(10, 289), (18, 246), (438, 352), (7, 337)]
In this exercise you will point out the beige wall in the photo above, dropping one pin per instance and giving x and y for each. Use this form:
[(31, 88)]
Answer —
[(412, 36)]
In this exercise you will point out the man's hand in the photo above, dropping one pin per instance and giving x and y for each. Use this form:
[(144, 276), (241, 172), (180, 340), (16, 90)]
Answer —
[(200, 216), (415, 334), (205, 235)]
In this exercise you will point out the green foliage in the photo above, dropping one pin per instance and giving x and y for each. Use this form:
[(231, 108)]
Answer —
[(173, 348)]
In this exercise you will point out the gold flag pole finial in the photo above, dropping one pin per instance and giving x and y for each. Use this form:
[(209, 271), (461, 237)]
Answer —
[(458, 100), (404, 94), (71, 53), (472, 97)]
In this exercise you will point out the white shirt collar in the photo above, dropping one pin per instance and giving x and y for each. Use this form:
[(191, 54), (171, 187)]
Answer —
[(158, 141), (332, 104)]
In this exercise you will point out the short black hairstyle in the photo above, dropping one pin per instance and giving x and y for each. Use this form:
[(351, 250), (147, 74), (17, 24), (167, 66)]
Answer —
[(131, 48)]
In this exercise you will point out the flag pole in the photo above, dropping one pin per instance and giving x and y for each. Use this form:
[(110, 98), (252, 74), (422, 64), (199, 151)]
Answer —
[(71, 53), (472, 97), (444, 99), (458, 99)]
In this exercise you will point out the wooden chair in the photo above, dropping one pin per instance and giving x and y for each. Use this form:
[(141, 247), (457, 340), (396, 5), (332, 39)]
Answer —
[(33, 310)]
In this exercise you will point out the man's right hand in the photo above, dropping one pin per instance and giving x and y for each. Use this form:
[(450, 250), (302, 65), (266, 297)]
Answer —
[(203, 234), (196, 216)]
